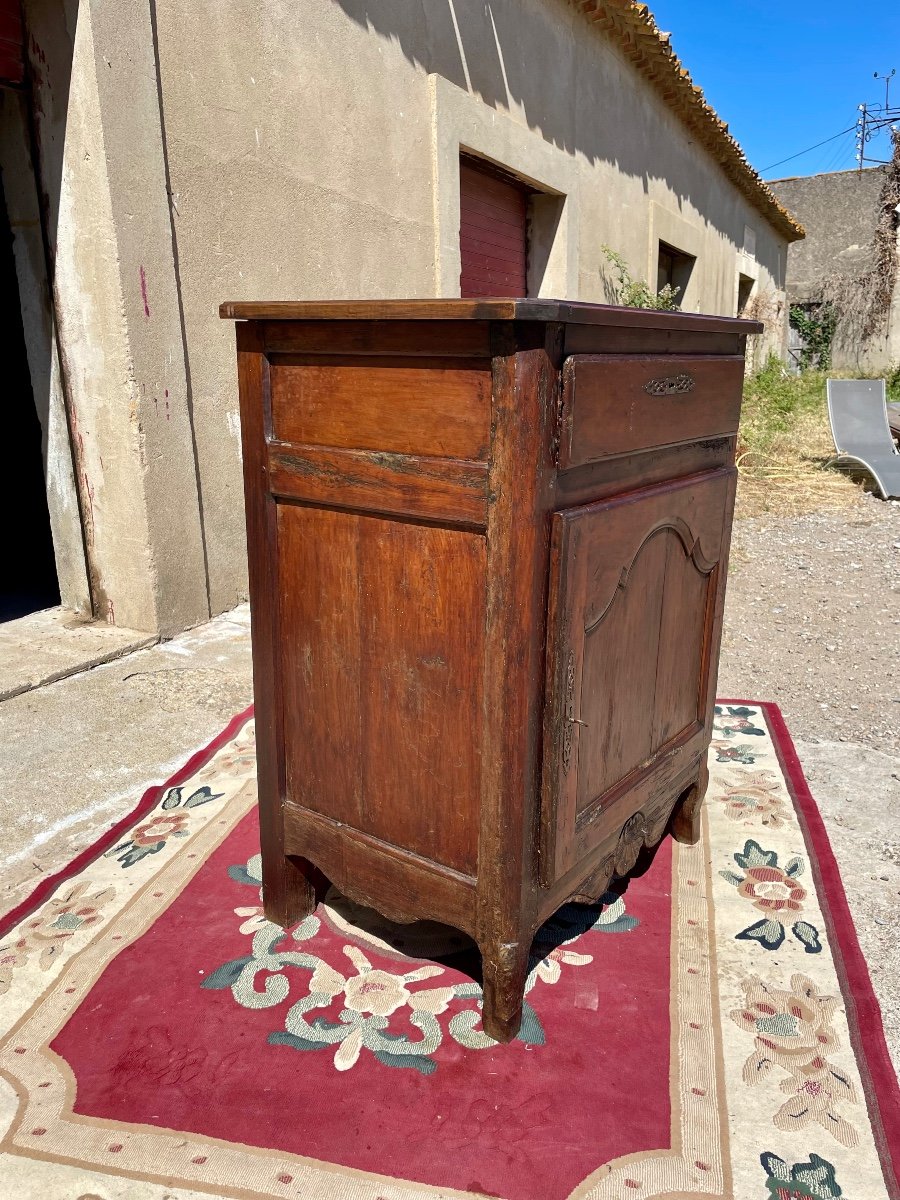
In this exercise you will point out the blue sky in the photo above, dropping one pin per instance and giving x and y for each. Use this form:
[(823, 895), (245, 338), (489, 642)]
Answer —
[(785, 76)]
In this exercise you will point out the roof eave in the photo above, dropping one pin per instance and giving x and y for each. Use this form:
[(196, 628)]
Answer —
[(632, 27)]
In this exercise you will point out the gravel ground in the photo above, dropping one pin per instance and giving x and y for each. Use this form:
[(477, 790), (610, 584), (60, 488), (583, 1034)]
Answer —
[(812, 621)]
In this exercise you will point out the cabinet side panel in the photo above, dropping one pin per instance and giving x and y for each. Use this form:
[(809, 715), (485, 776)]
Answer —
[(382, 644), (320, 667)]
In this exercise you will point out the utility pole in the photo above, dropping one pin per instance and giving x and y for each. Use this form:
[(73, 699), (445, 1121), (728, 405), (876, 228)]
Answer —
[(873, 119)]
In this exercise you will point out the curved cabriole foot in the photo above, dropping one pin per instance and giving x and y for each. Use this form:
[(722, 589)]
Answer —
[(289, 892), (687, 812), (504, 969)]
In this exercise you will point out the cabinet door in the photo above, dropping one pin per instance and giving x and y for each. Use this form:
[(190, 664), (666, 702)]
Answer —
[(632, 621)]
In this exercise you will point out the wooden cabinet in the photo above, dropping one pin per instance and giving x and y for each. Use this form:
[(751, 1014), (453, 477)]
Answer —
[(487, 546)]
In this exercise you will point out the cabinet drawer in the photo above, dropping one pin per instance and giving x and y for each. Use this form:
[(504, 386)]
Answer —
[(617, 404)]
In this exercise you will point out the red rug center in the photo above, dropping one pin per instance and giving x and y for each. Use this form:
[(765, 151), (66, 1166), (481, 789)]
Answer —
[(151, 1046)]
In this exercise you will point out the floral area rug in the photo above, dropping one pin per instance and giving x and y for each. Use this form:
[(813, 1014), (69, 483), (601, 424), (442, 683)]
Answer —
[(708, 1030)]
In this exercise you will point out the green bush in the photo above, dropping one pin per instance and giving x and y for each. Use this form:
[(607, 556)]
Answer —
[(635, 293), (816, 324)]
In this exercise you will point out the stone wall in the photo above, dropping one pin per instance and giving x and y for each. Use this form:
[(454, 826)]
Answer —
[(839, 212)]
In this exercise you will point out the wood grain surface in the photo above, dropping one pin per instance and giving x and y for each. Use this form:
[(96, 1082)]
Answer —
[(487, 598)]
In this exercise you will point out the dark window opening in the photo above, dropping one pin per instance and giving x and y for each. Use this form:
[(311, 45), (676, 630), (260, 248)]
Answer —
[(673, 269), (28, 582), (745, 290), (493, 231)]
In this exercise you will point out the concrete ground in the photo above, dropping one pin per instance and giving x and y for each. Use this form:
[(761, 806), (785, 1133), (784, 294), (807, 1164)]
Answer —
[(812, 622), (76, 754)]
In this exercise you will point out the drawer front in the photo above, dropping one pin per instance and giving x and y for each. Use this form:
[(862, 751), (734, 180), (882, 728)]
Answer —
[(617, 404)]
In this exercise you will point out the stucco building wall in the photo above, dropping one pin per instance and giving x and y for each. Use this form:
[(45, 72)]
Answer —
[(300, 149), (839, 211)]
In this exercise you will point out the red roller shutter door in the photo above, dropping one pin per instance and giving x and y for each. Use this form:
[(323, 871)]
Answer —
[(12, 54), (493, 234)]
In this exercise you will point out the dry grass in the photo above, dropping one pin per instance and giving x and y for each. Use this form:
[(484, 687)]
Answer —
[(784, 445)]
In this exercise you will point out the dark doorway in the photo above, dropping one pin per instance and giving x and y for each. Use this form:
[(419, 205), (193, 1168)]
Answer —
[(28, 579), (493, 232)]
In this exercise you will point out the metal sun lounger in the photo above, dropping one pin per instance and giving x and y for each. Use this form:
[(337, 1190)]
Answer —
[(859, 426)]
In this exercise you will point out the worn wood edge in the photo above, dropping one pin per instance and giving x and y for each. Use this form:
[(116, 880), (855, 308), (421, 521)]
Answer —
[(595, 481), (499, 309), (287, 893), (616, 856), (379, 339), (594, 810), (447, 491), (554, 711), (527, 360), (328, 843)]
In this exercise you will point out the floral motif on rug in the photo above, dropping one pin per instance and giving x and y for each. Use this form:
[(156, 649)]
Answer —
[(688, 1035), (353, 1005), (774, 891)]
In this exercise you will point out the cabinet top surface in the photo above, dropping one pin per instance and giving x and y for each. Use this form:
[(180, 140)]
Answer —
[(563, 311)]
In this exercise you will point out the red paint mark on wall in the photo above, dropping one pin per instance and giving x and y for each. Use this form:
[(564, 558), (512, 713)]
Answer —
[(144, 292), (168, 414)]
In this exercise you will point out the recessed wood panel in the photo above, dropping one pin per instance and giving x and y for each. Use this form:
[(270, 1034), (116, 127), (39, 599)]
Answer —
[(617, 404), (381, 642), (683, 635), (401, 405), (631, 609), (618, 680)]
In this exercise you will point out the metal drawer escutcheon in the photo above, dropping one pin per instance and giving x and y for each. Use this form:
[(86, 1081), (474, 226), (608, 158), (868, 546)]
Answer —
[(674, 385)]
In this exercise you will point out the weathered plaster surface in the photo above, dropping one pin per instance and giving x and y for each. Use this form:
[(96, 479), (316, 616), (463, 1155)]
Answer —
[(116, 303), (192, 153), (313, 153)]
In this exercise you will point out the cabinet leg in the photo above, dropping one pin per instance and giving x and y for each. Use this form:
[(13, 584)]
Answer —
[(686, 814), (288, 891), (504, 969)]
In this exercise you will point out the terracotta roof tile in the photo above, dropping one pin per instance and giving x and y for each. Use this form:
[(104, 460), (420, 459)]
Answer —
[(632, 26)]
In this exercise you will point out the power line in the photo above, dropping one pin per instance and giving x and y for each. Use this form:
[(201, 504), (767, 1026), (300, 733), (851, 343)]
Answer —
[(843, 150), (810, 148)]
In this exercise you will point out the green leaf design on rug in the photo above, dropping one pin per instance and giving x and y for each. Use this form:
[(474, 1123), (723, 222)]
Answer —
[(755, 856), (226, 975), (772, 890), (769, 934), (202, 795), (813, 1180), (808, 935)]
